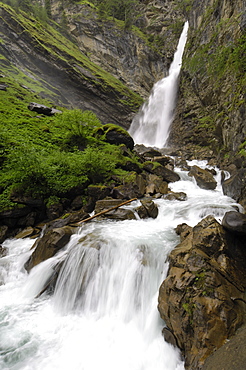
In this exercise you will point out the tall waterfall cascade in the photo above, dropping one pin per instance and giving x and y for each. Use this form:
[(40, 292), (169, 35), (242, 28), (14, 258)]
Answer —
[(151, 125)]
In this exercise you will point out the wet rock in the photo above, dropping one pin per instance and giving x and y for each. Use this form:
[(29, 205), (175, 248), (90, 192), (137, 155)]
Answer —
[(175, 196), (204, 178), (3, 251), (27, 233), (235, 222), (202, 298), (120, 214), (155, 184), (159, 170), (233, 187), (169, 337), (147, 209), (48, 245)]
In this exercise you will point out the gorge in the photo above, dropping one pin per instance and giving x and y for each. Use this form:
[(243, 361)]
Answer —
[(88, 296)]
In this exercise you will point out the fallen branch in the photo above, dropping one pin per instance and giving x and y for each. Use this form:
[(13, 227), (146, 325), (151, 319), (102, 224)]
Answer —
[(103, 212)]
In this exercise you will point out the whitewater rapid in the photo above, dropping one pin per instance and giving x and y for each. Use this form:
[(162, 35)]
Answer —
[(103, 313)]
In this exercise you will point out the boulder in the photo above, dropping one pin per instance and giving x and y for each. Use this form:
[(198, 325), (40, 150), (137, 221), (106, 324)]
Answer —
[(202, 298), (175, 196), (235, 222), (147, 209), (120, 214), (48, 245), (233, 187), (204, 178), (116, 135), (159, 170), (43, 109), (134, 189), (155, 184)]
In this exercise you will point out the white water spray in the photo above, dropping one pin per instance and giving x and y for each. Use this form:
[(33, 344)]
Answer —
[(151, 125)]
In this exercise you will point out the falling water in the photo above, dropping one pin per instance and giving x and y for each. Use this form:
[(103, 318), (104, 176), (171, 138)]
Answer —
[(151, 125)]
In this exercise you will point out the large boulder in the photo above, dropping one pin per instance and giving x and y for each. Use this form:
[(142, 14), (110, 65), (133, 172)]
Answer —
[(159, 170), (155, 185), (147, 209), (234, 187), (235, 222), (43, 109), (202, 298), (203, 177), (48, 245), (132, 189)]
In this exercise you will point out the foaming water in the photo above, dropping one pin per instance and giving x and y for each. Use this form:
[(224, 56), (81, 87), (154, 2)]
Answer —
[(151, 125), (103, 313)]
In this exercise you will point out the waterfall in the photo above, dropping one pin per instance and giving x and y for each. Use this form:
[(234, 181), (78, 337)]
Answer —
[(103, 313), (151, 125)]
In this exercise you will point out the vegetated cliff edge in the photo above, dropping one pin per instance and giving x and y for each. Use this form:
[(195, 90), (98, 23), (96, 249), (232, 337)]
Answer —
[(99, 65), (210, 113)]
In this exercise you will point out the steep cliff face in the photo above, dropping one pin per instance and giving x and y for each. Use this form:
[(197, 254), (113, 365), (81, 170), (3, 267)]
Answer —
[(138, 56), (99, 65), (211, 105)]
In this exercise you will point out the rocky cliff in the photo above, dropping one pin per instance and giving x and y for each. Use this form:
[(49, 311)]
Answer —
[(211, 107), (90, 62)]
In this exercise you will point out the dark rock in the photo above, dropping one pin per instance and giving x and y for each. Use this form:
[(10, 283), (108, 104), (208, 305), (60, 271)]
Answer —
[(164, 161), (166, 174), (54, 211), (204, 178), (169, 337), (43, 109), (105, 204), (134, 189), (77, 203), (115, 135), (148, 209), (235, 222), (48, 245), (233, 187), (3, 251), (131, 167), (3, 232), (120, 214)]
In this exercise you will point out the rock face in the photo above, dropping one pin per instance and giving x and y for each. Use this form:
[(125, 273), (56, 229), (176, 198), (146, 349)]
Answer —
[(211, 104), (202, 298)]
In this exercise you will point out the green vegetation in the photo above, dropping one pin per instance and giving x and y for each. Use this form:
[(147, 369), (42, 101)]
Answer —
[(58, 48), (45, 157)]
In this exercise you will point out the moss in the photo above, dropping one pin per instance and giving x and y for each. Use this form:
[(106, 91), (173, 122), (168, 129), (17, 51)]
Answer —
[(58, 47)]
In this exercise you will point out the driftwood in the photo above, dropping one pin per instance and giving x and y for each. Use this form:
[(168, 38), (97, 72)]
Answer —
[(77, 224)]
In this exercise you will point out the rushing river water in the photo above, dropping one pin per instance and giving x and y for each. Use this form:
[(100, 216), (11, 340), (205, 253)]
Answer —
[(103, 314)]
